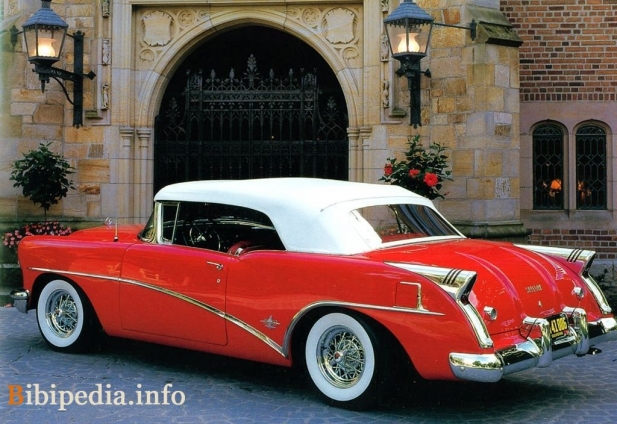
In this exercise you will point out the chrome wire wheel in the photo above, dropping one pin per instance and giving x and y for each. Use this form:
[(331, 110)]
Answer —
[(65, 317), (341, 360), (61, 313), (342, 357)]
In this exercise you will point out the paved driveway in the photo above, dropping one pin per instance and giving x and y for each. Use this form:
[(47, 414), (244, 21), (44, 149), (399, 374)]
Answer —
[(131, 382)]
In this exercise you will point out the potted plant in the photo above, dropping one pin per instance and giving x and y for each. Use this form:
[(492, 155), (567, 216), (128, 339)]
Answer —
[(422, 172), (42, 175)]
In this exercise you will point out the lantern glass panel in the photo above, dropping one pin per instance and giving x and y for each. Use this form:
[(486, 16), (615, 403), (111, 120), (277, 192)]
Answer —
[(44, 43), (409, 38)]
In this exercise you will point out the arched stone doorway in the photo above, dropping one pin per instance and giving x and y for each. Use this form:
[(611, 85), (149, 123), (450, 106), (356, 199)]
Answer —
[(252, 102)]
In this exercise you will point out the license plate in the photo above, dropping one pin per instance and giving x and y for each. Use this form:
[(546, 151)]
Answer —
[(559, 326)]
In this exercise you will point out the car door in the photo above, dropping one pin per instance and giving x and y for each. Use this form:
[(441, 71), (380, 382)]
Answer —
[(175, 287)]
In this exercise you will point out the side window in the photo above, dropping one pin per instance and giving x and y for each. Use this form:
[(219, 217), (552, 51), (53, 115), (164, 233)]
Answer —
[(169, 213), (591, 168), (223, 228), (548, 162)]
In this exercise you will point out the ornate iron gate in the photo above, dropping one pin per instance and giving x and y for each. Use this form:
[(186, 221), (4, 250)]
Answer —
[(249, 127)]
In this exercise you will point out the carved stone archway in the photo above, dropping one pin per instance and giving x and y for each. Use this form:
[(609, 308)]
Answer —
[(228, 117)]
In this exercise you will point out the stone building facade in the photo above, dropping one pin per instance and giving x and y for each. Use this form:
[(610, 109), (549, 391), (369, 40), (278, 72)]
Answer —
[(475, 104), (525, 110), (470, 105)]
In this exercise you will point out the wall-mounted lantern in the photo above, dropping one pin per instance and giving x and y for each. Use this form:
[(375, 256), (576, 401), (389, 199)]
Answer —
[(408, 29), (44, 34)]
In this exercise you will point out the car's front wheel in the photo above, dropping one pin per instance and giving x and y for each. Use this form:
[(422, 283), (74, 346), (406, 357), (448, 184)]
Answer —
[(65, 317), (344, 361)]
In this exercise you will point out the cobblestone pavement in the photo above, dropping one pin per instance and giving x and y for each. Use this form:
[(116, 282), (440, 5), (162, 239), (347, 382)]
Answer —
[(213, 389)]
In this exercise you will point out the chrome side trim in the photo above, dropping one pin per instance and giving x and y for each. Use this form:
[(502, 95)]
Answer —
[(597, 294), (281, 350), (573, 255), (177, 295), (230, 318), (570, 255), (457, 283), (78, 274), (334, 303)]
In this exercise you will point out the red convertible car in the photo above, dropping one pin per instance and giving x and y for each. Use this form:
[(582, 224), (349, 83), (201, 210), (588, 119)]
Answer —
[(349, 280)]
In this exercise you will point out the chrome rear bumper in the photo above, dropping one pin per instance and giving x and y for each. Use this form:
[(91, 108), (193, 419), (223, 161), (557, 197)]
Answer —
[(539, 352)]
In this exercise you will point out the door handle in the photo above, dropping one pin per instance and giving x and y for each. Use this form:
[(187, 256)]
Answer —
[(217, 265)]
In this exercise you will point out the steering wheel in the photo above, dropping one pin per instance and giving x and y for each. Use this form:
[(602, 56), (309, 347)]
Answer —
[(202, 234)]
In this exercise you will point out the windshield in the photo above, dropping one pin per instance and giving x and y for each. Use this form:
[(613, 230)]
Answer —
[(388, 223)]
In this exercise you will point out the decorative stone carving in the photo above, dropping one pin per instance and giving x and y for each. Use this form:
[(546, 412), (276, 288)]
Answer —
[(385, 48), (186, 18), (351, 56), (105, 8), (106, 52), (339, 26), (157, 28), (310, 16), (12, 8), (105, 96), (147, 56), (385, 5), (385, 93)]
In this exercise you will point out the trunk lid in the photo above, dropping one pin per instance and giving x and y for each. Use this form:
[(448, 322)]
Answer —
[(515, 282)]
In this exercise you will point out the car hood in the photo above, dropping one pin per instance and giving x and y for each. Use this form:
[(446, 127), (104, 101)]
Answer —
[(126, 233), (515, 282)]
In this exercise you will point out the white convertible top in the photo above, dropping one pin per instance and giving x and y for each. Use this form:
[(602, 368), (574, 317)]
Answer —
[(309, 214)]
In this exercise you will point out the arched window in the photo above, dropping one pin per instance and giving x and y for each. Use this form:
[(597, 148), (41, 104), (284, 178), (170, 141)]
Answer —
[(548, 162), (591, 168)]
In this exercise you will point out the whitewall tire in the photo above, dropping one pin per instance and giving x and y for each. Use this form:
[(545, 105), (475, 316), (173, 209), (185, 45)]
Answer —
[(343, 362), (65, 318)]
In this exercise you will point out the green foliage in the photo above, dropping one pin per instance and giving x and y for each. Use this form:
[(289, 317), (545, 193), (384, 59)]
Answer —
[(422, 172), (43, 176)]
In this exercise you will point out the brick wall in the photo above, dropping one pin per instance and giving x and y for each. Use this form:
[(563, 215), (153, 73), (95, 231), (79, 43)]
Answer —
[(569, 50), (604, 242)]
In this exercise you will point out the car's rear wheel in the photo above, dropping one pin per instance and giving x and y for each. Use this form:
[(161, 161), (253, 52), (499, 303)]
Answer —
[(65, 317), (344, 362)]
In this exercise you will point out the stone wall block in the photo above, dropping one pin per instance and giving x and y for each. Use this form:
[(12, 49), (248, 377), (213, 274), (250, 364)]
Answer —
[(85, 134), (445, 105), (18, 109), (452, 16), (24, 95), (479, 124), (42, 132), (454, 87), (476, 188), (463, 163), (93, 170), (502, 76), (502, 210), (444, 135), (494, 163), (74, 205), (456, 189), (49, 114), (481, 74), (446, 67), (495, 98)]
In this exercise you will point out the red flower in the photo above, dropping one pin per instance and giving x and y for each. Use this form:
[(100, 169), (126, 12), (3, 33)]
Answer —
[(430, 179), (413, 172), (387, 169)]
